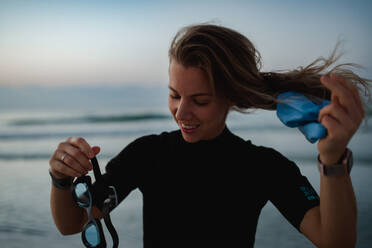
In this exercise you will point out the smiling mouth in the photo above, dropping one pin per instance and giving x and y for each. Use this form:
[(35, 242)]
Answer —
[(188, 128)]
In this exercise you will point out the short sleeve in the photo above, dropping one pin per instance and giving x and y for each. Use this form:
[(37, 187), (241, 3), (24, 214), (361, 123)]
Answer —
[(125, 170), (290, 191)]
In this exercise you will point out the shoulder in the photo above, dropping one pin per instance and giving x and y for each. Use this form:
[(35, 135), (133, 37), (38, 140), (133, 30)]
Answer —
[(266, 152), (258, 151), (143, 149), (150, 143), (155, 139), (271, 159)]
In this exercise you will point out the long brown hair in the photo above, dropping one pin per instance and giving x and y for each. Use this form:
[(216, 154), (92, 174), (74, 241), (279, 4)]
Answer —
[(233, 65)]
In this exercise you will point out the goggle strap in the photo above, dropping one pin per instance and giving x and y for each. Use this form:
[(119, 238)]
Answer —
[(114, 197), (113, 233), (96, 170), (106, 207)]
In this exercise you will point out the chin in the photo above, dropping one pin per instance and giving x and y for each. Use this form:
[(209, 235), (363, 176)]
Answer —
[(189, 138)]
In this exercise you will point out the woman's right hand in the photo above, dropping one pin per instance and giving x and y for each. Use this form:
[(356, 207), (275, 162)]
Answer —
[(72, 158)]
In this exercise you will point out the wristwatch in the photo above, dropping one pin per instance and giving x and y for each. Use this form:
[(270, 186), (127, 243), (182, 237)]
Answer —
[(339, 169), (61, 183)]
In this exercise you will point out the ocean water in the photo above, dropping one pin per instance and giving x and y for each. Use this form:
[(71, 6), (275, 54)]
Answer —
[(34, 120)]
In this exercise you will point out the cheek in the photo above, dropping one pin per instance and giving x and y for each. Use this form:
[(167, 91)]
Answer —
[(206, 114), (172, 107), (216, 114)]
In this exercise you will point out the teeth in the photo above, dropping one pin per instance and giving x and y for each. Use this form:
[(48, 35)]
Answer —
[(188, 127)]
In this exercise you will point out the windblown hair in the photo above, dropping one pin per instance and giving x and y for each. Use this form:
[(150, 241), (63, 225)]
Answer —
[(232, 65)]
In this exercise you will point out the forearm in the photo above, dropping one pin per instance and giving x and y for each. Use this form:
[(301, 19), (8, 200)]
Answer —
[(338, 211), (68, 217), (342, 118)]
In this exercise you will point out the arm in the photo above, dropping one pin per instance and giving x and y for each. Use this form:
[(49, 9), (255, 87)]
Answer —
[(68, 217), (333, 223)]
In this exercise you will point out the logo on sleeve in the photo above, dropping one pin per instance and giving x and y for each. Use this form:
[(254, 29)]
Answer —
[(309, 193)]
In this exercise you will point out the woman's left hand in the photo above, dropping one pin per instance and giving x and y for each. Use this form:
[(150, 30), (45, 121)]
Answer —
[(341, 118)]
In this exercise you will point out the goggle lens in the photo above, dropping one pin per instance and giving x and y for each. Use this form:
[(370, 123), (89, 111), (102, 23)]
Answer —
[(82, 194), (92, 235)]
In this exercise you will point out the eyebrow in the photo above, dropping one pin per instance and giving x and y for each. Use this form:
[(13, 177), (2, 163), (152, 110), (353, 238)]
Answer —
[(193, 95)]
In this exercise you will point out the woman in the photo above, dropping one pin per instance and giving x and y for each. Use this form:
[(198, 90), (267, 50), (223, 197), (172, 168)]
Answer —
[(203, 185)]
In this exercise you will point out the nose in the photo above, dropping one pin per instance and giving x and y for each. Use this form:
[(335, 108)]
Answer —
[(184, 111)]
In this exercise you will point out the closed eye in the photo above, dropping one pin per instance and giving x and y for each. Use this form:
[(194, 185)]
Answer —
[(202, 100), (201, 103), (174, 96)]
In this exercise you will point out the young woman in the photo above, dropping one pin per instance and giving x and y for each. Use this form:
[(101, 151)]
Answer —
[(204, 186)]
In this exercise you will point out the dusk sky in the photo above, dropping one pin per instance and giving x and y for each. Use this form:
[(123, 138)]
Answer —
[(126, 42)]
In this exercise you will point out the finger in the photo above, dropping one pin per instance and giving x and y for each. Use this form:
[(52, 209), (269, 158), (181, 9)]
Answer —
[(352, 89), (331, 124), (69, 161), (78, 155), (354, 115), (355, 122), (62, 168), (82, 145), (96, 150), (345, 97), (335, 111)]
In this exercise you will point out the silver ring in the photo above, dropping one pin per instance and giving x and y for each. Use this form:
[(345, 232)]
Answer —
[(63, 157)]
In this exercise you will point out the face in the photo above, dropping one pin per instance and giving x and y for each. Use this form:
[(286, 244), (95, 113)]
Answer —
[(197, 110)]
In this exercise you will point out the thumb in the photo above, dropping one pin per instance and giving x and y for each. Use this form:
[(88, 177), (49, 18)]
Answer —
[(96, 150)]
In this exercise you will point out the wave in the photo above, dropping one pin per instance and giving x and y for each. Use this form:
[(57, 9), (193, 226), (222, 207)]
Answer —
[(45, 134), (361, 159), (22, 230), (37, 156), (49, 135), (89, 119)]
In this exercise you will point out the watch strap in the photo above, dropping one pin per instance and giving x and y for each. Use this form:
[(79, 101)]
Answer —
[(339, 169), (61, 183)]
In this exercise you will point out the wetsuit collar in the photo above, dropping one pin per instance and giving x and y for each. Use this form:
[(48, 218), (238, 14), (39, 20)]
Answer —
[(220, 138)]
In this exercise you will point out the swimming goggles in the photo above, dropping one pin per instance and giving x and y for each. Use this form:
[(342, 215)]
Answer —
[(92, 234)]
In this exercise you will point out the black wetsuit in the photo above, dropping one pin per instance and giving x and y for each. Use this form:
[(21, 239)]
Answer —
[(209, 193)]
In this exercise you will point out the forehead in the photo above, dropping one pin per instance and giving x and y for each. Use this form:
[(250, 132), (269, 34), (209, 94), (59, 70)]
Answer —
[(188, 80)]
